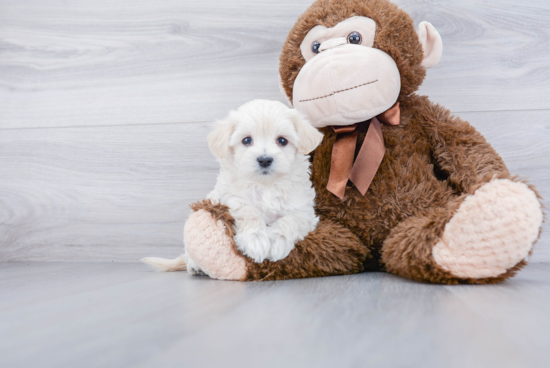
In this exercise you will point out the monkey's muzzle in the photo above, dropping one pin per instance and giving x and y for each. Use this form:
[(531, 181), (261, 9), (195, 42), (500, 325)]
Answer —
[(346, 84)]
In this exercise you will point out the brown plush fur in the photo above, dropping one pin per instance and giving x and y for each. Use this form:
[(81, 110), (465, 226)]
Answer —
[(433, 160), (330, 250)]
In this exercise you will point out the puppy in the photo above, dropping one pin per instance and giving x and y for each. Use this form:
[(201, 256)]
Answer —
[(264, 179)]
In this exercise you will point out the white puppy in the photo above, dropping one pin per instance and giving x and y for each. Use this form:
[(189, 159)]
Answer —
[(262, 149)]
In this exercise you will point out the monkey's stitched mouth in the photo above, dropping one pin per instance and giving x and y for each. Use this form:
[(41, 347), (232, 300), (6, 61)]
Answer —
[(343, 90)]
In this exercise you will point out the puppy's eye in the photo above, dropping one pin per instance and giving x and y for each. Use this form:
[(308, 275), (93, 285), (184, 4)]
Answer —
[(247, 141), (315, 47), (282, 141), (354, 38)]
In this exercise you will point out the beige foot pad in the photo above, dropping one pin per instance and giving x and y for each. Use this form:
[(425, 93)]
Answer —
[(491, 232), (208, 244)]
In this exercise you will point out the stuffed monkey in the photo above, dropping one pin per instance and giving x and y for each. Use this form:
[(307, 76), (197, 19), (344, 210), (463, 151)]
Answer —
[(401, 185)]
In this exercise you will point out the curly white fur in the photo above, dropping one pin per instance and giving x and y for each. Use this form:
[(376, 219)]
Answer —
[(273, 206)]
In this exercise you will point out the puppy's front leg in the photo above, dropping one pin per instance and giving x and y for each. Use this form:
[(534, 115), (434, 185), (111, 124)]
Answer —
[(288, 230), (250, 232)]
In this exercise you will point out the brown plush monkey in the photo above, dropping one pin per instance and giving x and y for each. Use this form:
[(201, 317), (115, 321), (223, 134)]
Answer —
[(402, 185)]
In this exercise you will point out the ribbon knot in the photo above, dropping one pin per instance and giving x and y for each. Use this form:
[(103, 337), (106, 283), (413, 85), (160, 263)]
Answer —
[(362, 171)]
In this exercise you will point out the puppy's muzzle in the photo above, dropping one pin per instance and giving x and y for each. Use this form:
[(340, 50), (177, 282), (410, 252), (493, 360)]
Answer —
[(265, 161)]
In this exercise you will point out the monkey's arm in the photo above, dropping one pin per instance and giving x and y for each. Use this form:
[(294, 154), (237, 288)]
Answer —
[(459, 150), (330, 249)]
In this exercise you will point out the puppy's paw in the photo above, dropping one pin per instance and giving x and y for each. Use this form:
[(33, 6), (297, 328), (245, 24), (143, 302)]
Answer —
[(192, 267), (280, 247), (255, 245)]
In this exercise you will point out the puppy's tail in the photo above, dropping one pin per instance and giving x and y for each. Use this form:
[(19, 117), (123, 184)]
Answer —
[(167, 265)]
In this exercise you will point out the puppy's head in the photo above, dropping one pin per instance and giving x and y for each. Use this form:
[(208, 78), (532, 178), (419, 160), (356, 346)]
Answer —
[(262, 139)]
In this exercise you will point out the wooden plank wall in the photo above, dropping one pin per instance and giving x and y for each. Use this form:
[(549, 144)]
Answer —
[(105, 105)]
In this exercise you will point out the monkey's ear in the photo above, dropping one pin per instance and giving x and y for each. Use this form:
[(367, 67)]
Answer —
[(281, 88), (431, 44), (218, 140), (309, 137)]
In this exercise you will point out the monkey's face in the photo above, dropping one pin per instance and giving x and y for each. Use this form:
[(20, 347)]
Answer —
[(345, 80), (346, 61)]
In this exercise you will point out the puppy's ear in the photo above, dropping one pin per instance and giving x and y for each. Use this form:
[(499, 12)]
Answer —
[(309, 137), (218, 140)]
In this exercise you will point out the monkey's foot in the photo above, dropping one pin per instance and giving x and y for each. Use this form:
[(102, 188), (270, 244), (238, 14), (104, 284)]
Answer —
[(492, 231), (209, 243)]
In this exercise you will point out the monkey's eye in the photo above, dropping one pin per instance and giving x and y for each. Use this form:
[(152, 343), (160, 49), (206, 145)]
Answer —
[(315, 47), (247, 141), (354, 38), (282, 141)]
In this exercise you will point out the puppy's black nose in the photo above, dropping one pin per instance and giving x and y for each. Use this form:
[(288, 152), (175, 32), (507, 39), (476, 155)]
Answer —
[(265, 161)]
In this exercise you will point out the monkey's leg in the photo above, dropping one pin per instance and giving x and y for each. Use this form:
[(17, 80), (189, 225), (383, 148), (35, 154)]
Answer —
[(479, 238), (328, 250)]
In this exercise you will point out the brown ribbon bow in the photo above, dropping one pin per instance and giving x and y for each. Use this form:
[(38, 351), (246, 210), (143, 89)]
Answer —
[(362, 171)]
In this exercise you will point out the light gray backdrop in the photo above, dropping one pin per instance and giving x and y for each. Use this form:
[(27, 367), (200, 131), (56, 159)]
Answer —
[(105, 106)]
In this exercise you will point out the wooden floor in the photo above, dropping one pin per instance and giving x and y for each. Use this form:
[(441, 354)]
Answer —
[(125, 315)]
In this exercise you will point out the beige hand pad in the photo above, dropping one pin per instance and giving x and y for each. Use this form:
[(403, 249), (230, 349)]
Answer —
[(208, 244)]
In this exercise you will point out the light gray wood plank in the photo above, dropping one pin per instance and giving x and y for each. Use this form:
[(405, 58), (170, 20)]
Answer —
[(93, 315), (100, 193), (115, 315), (495, 53), (378, 320), (134, 62), (87, 62), (121, 193)]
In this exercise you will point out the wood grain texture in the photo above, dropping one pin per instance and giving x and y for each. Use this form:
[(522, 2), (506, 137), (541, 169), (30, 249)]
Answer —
[(88, 170), (125, 315), (84, 63), (100, 193), (495, 53), (120, 193), (134, 62)]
